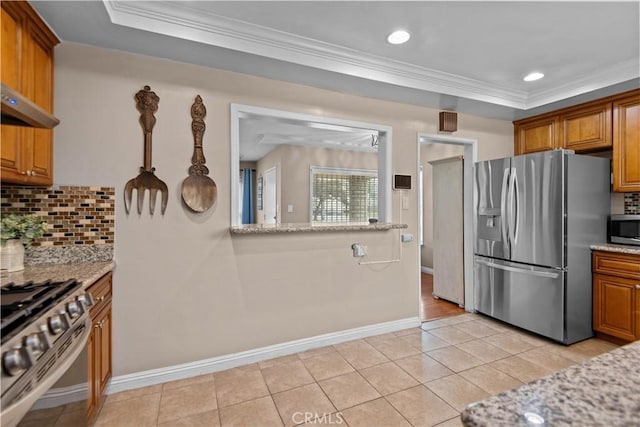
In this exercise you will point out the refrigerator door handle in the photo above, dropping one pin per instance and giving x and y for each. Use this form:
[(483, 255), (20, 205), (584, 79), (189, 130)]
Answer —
[(514, 205), (503, 207), (518, 270)]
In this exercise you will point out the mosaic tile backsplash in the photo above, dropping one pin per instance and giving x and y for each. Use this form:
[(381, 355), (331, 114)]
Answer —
[(632, 203), (74, 215)]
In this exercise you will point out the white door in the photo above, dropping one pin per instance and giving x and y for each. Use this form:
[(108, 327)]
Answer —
[(269, 194), (448, 260)]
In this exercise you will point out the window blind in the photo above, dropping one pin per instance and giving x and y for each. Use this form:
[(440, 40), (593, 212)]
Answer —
[(343, 195)]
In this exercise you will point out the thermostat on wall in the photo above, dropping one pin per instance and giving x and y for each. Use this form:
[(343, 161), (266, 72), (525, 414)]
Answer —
[(402, 182)]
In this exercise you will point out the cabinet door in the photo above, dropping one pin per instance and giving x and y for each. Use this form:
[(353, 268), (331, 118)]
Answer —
[(626, 144), (614, 304), (10, 71), (92, 369), (38, 86), (105, 348), (27, 66), (538, 135), (587, 129), (11, 29), (637, 297)]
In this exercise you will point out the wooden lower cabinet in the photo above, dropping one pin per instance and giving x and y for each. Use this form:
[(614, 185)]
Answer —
[(614, 300), (616, 295), (99, 344)]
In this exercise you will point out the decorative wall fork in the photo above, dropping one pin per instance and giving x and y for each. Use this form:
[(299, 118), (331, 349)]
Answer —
[(147, 104)]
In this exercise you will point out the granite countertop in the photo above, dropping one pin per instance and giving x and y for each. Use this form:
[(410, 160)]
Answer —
[(614, 247), (603, 391), (85, 272), (307, 227)]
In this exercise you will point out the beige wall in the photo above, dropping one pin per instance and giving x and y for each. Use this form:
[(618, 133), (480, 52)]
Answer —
[(184, 288)]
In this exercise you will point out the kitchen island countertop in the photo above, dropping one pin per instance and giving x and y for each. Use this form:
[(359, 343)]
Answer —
[(84, 272), (603, 391), (613, 247)]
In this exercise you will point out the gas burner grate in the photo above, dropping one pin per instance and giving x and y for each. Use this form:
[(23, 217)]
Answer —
[(23, 304)]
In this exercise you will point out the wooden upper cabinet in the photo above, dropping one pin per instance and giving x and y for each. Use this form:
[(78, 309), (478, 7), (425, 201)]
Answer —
[(26, 155), (10, 68), (11, 35), (587, 129), (536, 135), (626, 144)]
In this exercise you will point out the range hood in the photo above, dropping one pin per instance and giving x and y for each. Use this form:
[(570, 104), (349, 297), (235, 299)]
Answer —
[(19, 111)]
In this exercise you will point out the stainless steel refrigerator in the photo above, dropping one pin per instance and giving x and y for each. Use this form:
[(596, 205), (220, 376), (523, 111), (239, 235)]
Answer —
[(536, 216)]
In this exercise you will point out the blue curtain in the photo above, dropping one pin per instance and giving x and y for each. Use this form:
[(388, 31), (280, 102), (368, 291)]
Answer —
[(247, 196)]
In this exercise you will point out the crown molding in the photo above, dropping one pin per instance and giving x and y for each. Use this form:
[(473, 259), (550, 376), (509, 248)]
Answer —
[(615, 74), (175, 19)]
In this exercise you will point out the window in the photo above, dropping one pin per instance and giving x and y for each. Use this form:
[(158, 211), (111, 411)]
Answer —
[(343, 195)]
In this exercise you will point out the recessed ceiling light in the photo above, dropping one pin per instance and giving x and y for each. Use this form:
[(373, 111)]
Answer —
[(398, 37), (533, 77)]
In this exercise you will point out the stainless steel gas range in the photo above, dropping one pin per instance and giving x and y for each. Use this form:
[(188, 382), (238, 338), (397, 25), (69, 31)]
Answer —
[(44, 328)]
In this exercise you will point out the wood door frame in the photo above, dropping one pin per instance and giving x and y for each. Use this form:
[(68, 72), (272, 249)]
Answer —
[(471, 157)]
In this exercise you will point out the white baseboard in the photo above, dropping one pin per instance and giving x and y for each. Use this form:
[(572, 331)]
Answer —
[(427, 270), (120, 383)]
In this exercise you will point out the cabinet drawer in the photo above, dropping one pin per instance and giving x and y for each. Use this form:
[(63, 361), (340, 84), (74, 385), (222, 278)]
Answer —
[(616, 264), (101, 293)]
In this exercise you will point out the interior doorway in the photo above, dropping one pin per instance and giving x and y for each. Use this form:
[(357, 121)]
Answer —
[(456, 272)]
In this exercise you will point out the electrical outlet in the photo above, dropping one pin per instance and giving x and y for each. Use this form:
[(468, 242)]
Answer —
[(358, 250), (406, 237)]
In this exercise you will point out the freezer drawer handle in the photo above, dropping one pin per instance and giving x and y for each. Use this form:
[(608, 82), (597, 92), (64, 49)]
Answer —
[(518, 270)]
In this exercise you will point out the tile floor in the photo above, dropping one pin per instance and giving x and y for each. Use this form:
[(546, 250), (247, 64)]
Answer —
[(415, 377)]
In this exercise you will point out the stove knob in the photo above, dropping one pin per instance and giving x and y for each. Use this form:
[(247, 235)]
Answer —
[(85, 299), (36, 343), (15, 361), (74, 309), (57, 324)]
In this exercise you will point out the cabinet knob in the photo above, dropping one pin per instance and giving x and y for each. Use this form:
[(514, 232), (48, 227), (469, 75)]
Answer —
[(23, 173), (637, 286)]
